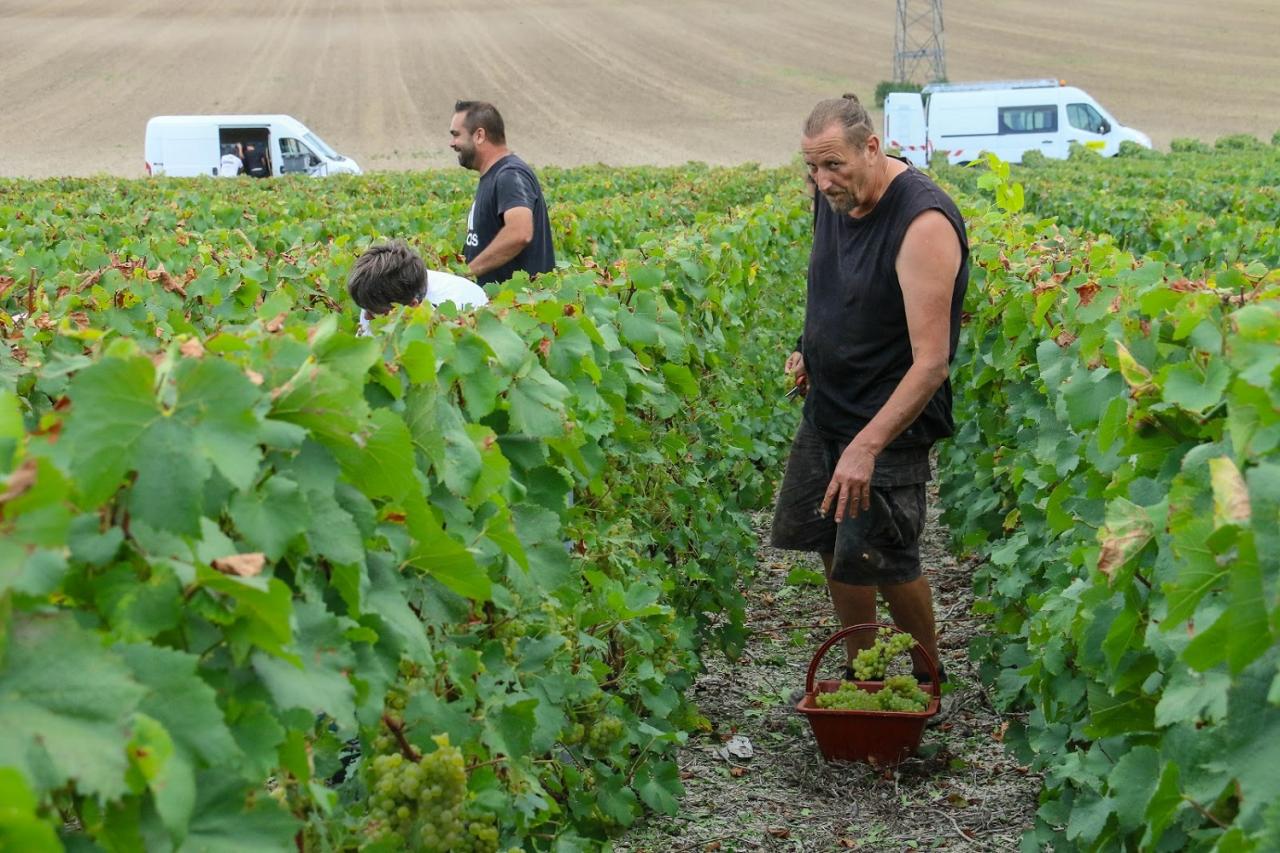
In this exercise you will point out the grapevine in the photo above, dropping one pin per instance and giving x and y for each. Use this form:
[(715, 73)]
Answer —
[(226, 521)]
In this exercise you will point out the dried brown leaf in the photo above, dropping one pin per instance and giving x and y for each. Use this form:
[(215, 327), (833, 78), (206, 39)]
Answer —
[(241, 565), (20, 482)]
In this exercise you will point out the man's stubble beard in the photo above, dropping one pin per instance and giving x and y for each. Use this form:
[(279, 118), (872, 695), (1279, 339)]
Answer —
[(842, 204)]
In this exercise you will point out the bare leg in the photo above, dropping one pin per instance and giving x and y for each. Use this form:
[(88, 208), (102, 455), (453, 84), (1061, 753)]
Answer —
[(855, 605), (911, 605)]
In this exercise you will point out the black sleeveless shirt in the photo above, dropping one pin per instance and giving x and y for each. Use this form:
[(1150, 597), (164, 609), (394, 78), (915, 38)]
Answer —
[(856, 346)]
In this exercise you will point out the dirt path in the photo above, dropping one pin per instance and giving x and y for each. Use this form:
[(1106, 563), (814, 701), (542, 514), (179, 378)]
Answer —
[(966, 794)]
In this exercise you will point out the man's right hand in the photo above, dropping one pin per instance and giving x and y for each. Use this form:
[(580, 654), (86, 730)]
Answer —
[(795, 368)]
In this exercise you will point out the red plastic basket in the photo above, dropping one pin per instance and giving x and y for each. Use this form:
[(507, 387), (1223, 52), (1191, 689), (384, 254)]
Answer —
[(883, 737)]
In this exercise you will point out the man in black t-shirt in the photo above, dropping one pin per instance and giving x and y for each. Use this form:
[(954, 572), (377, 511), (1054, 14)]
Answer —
[(508, 228), (255, 160), (887, 277)]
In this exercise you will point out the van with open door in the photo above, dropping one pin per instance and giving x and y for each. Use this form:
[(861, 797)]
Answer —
[(1005, 117), (185, 146)]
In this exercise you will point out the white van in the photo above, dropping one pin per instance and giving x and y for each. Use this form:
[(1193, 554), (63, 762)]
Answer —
[(1005, 117), (184, 146)]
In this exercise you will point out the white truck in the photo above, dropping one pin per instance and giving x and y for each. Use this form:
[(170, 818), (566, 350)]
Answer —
[(1005, 117), (185, 146)]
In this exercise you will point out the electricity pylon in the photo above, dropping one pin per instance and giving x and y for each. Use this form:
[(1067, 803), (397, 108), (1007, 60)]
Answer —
[(919, 53)]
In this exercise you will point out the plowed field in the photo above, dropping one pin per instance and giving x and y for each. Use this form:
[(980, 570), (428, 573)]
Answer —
[(581, 81)]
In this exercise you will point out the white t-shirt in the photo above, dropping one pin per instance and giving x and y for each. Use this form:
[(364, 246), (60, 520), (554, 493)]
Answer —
[(230, 166), (447, 287), (443, 287)]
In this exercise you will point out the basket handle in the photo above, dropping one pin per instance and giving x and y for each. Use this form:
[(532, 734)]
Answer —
[(868, 626)]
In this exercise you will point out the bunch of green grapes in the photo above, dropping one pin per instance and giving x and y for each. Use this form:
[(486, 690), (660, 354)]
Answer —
[(900, 693), (574, 734), (870, 664), (849, 697), (420, 805), (604, 732), (480, 835)]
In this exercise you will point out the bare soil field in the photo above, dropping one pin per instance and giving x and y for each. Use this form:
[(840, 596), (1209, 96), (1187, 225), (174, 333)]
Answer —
[(585, 81)]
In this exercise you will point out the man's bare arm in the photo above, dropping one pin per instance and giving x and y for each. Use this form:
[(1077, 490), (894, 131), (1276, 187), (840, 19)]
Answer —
[(516, 233), (927, 266)]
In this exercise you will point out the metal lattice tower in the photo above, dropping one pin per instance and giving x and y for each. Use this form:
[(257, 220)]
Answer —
[(919, 53)]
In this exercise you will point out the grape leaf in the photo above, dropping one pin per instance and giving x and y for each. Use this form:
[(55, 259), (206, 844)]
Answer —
[(319, 684), (113, 402), (65, 706), (20, 827)]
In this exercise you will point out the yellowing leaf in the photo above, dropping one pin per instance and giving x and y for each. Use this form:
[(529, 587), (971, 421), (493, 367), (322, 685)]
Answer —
[(1134, 373), (1127, 531), (1230, 494)]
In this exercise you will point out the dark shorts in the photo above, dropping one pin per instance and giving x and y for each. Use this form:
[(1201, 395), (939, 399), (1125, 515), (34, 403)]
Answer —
[(881, 546)]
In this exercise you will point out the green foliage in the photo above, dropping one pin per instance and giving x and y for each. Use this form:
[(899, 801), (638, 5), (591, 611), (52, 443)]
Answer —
[(1117, 465), (1034, 159), (939, 161), (885, 87), (233, 535), (1199, 211), (1132, 150), (1082, 152), (1239, 142), (1188, 145)]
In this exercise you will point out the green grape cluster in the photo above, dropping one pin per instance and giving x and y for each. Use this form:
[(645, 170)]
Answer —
[(900, 693), (870, 664), (849, 697), (574, 734), (604, 732), (481, 835), (510, 629), (420, 805)]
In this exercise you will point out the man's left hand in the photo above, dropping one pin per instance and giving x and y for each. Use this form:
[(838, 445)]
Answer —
[(850, 486)]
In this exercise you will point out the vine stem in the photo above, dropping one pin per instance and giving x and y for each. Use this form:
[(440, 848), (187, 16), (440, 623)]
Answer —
[(397, 729), (1210, 815)]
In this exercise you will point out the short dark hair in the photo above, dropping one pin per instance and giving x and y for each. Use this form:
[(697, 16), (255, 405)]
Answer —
[(846, 111), (482, 114), (387, 274)]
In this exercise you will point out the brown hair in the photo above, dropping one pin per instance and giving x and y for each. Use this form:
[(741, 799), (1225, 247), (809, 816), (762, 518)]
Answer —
[(846, 111), (385, 275), (482, 114)]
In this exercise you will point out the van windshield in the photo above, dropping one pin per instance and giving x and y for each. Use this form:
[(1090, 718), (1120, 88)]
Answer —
[(318, 144)]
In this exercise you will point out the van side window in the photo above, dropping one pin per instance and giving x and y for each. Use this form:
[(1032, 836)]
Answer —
[(297, 156), (1039, 119), (1084, 117)]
